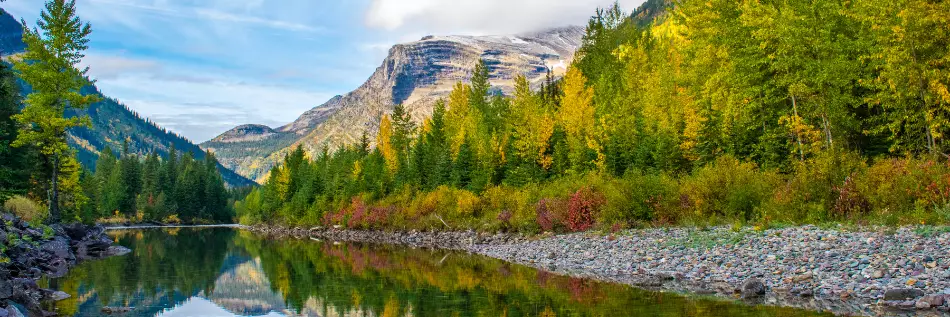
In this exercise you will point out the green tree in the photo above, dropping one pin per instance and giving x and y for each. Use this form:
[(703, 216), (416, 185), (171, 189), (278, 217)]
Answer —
[(49, 66), (15, 166)]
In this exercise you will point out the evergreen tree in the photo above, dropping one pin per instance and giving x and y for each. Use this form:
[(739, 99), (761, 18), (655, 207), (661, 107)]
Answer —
[(463, 166), (15, 166), (49, 66)]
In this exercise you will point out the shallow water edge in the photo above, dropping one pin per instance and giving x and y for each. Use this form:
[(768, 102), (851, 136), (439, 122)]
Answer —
[(801, 267)]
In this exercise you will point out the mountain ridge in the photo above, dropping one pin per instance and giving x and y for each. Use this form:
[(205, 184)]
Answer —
[(414, 74), (113, 123)]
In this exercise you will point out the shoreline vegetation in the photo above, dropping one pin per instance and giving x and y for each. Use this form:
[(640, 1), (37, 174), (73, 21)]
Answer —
[(845, 271), (737, 127), (682, 113), (41, 179)]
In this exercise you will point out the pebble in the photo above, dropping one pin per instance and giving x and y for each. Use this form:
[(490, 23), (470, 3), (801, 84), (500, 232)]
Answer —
[(854, 269)]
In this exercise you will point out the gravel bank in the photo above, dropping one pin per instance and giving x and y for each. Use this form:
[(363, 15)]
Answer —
[(868, 272)]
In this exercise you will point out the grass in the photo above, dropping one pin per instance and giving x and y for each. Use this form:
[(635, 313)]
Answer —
[(931, 231)]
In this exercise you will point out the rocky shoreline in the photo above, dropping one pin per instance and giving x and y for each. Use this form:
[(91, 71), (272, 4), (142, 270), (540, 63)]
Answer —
[(28, 253), (870, 271)]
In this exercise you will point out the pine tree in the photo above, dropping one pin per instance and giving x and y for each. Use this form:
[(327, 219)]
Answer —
[(15, 165), (463, 166), (49, 66), (440, 158), (131, 172)]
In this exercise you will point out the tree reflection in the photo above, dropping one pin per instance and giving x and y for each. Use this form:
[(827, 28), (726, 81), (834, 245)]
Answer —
[(247, 275)]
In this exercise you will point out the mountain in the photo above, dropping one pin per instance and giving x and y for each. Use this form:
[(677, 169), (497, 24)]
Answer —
[(414, 74), (112, 122), (11, 34)]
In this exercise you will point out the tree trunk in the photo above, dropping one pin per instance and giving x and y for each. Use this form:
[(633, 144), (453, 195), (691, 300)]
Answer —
[(930, 136), (54, 216), (827, 127), (798, 138)]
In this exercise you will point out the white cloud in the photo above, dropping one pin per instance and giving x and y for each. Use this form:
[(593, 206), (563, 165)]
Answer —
[(202, 106), (483, 16), (246, 19), (109, 67)]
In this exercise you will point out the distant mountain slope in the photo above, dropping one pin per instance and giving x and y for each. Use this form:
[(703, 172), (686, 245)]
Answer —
[(11, 34), (414, 74), (112, 122)]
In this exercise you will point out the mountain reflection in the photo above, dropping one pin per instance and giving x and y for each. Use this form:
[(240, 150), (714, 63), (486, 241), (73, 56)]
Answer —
[(224, 272)]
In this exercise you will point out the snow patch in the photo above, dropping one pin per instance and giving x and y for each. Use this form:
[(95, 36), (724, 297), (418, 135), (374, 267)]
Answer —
[(516, 40), (560, 64)]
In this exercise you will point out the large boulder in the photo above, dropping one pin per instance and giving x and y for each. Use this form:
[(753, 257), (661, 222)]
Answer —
[(58, 247), (902, 294), (6, 289), (76, 231), (56, 267), (752, 288)]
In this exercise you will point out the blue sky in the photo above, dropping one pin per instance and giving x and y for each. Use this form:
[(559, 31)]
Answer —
[(201, 67)]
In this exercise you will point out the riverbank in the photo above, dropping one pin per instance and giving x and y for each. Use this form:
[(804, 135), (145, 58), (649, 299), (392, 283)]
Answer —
[(165, 226), (865, 271), (28, 253)]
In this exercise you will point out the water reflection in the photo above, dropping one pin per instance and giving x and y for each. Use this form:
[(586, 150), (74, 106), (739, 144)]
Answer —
[(224, 272)]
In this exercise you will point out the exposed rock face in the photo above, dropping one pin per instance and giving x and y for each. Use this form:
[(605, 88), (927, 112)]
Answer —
[(414, 74), (32, 253), (313, 117), (244, 133)]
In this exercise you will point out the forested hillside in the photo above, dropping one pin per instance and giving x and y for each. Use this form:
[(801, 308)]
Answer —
[(716, 111), (413, 74), (113, 123)]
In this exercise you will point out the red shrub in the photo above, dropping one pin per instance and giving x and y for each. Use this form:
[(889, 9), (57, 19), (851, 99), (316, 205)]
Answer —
[(505, 217), (358, 215), (616, 228), (551, 214), (581, 211), (379, 217), (544, 217), (334, 218), (849, 200)]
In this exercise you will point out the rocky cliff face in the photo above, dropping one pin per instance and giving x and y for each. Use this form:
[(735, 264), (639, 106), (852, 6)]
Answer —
[(245, 133), (414, 74)]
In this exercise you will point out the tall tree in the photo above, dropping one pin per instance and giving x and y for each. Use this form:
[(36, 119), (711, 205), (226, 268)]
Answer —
[(49, 66), (14, 162)]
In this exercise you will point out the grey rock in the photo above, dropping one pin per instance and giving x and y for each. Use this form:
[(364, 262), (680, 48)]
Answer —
[(58, 247), (902, 294), (117, 250), (753, 287), (58, 296), (14, 311)]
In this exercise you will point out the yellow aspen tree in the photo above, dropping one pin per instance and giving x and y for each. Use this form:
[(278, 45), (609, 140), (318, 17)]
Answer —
[(576, 115), (384, 143)]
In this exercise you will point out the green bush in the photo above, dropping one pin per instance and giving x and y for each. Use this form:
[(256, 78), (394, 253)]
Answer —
[(907, 190), (640, 198), (727, 190), (26, 209), (813, 189)]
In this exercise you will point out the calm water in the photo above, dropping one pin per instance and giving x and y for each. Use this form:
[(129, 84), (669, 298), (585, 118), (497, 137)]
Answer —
[(226, 272)]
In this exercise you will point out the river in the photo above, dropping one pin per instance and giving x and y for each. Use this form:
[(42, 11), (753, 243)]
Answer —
[(231, 272)]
